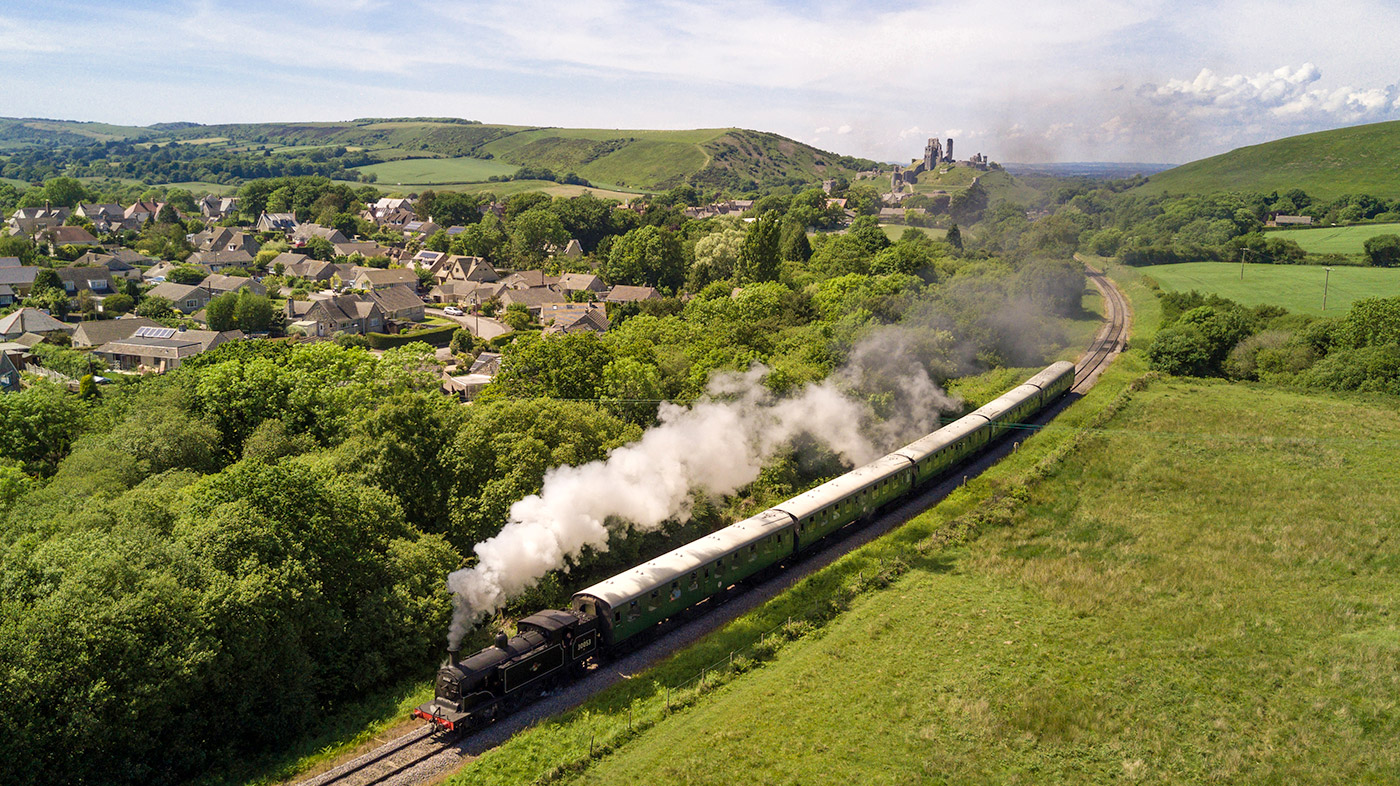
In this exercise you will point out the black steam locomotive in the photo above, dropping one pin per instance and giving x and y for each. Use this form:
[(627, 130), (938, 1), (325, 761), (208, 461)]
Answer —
[(548, 645)]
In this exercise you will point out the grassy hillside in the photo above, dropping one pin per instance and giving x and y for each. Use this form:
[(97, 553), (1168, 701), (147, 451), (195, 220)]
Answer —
[(1338, 240), (435, 151), (1327, 164), (1297, 288)]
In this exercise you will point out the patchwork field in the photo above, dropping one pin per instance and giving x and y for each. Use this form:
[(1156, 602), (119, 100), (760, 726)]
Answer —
[(1337, 240), (1297, 288)]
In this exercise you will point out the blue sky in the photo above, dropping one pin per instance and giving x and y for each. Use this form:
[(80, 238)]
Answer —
[(1022, 81)]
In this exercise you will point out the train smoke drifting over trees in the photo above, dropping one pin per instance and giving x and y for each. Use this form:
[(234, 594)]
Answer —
[(715, 447)]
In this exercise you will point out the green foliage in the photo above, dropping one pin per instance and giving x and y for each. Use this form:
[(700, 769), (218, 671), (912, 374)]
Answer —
[(433, 337), (69, 362), (155, 307), (503, 449), (38, 425), (319, 248), (758, 257), (185, 274), (1383, 250), (647, 255)]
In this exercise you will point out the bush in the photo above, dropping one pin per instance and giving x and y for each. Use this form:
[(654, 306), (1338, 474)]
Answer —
[(1383, 250), (1183, 351), (434, 337)]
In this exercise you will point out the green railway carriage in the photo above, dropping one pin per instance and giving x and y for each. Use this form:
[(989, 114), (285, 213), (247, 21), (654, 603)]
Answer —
[(940, 451), (854, 495), (633, 601)]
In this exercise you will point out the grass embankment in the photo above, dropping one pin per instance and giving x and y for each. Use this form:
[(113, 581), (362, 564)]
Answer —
[(1327, 164), (1297, 288), (622, 726), (1349, 241), (895, 231)]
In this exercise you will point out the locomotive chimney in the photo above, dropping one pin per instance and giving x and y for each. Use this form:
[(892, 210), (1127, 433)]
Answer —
[(452, 657), (502, 640)]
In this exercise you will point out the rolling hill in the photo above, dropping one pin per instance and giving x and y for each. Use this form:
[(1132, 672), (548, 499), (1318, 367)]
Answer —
[(1326, 164), (470, 152)]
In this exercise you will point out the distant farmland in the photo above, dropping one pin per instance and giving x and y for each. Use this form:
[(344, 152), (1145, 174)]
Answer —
[(1297, 288), (436, 171), (1337, 240)]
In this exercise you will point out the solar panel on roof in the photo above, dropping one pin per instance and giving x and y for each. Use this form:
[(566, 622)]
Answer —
[(155, 332)]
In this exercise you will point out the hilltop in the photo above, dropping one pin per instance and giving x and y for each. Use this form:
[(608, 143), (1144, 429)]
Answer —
[(1326, 164), (454, 151)]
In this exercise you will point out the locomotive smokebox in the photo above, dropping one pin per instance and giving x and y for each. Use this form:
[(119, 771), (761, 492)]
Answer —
[(453, 657)]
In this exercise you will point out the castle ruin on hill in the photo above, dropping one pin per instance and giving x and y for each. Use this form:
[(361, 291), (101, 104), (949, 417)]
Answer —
[(934, 154)]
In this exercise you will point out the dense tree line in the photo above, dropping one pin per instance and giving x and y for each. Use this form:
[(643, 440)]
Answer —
[(178, 162)]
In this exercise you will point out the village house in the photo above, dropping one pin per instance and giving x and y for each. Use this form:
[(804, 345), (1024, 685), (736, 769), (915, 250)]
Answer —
[(466, 386), (96, 332), (9, 373), (314, 269), (19, 278), (534, 299), (573, 317), (142, 211), (214, 261), (419, 229), (470, 293), (529, 279), (115, 267), (222, 285), (398, 303), (226, 239), (189, 298), (581, 282), (376, 278), (216, 208), (629, 294), (323, 317), (161, 349), (277, 222), (55, 237), (96, 280), (31, 320), (305, 232), (365, 249)]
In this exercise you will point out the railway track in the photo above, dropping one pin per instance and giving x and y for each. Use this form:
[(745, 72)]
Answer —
[(388, 764), (1110, 339), (422, 756)]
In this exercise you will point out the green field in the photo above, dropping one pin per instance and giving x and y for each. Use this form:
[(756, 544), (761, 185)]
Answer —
[(894, 231), (1327, 164), (1337, 240), (436, 171), (1297, 288)]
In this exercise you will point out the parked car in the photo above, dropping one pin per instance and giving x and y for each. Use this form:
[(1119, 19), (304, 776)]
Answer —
[(452, 311)]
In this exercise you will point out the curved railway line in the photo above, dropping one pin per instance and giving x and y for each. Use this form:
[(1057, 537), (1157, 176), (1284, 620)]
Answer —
[(423, 755)]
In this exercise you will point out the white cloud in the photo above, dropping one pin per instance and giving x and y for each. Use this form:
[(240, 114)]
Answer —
[(844, 129)]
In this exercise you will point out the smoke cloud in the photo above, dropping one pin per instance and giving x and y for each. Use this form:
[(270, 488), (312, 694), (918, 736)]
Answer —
[(715, 447)]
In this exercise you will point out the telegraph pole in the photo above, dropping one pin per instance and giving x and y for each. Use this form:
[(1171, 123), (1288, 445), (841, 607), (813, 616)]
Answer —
[(1327, 278)]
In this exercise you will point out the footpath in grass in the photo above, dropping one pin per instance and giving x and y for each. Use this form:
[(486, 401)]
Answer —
[(1204, 592), (1298, 288)]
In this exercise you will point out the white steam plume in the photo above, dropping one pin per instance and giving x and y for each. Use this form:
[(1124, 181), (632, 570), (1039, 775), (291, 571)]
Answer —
[(716, 447)]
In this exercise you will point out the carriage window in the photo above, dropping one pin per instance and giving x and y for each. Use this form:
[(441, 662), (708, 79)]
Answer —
[(695, 580), (707, 573), (654, 595), (632, 611), (617, 615)]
